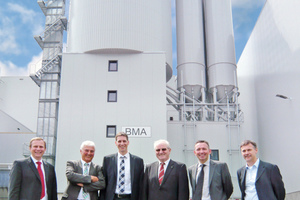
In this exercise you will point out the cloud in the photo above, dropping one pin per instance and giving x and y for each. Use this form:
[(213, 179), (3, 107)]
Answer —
[(8, 42), (28, 17), (10, 69)]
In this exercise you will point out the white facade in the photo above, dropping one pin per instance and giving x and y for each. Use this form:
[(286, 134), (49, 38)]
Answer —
[(137, 35), (269, 66), (18, 116)]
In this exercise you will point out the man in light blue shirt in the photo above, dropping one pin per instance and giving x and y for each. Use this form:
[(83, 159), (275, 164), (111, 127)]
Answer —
[(258, 179)]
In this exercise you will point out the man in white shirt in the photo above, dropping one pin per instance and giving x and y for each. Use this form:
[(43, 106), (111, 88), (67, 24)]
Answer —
[(123, 173), (33, 178), (210, 180), (85, 178), (258, 179)]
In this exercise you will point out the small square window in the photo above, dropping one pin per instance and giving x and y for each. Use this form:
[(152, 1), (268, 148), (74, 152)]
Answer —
[(112, 96), (113, 65), (214, 154), (111, 131)]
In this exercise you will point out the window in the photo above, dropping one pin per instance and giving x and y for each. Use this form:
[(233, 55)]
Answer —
[(113, 66), (214, 154), (112, 96), (111, 131)]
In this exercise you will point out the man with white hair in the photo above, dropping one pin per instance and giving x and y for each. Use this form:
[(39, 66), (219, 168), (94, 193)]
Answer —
[(85, 178), (165, 178)]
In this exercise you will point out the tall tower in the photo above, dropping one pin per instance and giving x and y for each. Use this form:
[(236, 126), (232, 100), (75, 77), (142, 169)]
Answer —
[(48, 76)]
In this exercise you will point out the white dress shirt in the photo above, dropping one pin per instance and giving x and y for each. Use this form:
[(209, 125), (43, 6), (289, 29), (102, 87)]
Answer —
[(250, 190), (127, 174), (42, 166), (80, 195), (205, 189)]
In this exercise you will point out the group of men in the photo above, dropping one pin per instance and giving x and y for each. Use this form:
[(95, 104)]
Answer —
[(123, 177)]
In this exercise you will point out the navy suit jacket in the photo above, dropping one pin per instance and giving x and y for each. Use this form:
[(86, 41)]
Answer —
[(269, 184), (25, 183), (110, 173), (174, 186), (220, 184)]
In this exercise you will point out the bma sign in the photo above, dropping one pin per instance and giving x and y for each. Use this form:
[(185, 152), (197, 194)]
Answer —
[(137, 131)]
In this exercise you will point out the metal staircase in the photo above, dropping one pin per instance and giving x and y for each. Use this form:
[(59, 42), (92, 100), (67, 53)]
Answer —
[(47, 77)]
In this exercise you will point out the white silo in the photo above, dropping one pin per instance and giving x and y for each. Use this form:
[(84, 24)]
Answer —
[(221, 63), (190, 48), (113, 26)]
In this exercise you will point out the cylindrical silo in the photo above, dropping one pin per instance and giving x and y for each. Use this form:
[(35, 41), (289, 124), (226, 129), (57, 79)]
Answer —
[(220, 51), (126, 26), (190, 47)]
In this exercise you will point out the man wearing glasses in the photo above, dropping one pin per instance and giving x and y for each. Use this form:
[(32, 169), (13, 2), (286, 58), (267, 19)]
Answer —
[(165, 178)]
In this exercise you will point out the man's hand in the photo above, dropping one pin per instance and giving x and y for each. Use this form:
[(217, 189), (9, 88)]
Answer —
[(94, 179), (80, 184)]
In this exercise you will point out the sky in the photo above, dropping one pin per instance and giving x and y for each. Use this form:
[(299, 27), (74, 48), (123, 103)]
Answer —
[(20, 20)]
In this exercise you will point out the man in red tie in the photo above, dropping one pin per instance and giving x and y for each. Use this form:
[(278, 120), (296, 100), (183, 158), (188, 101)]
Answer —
[(33, 178), (165, 179)]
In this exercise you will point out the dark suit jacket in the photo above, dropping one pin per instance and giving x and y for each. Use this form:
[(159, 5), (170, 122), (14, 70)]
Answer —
[(220, 185), (174, 186), (110, 168), (25, 183), (269, 184), (74, 176)]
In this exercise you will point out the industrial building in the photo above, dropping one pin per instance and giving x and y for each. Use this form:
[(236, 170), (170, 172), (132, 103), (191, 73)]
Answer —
[(116, 75)]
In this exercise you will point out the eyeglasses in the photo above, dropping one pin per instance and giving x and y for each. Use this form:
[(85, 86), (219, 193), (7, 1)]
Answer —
[(163, 149)]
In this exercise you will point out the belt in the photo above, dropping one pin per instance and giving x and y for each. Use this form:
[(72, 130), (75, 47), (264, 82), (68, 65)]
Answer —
[(122, 196)]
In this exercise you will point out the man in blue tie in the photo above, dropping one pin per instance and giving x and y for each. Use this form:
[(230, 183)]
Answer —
[(85, 178), (123, 173)]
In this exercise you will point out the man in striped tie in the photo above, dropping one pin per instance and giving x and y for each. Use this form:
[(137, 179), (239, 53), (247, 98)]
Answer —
[(165, 178)]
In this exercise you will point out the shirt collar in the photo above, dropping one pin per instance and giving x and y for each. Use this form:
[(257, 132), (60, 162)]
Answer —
[(34, 160), (126, 155), (82, 162), (256, 164), (166, 162), (206, 163)]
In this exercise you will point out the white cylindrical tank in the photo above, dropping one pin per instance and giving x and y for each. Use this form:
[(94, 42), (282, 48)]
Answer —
[(220, 51), (120, 26), (190, 47)]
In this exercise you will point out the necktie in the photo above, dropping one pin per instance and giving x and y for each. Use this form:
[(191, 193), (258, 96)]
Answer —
[(122, 175), (85, 172), (199, 186), (161, 173), (39, 168)]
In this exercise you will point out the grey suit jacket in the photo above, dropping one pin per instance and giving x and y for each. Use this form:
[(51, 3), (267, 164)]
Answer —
[(220, 184), (110, 168), (269, 184), (174, 186), (74, 176), (25, 183)]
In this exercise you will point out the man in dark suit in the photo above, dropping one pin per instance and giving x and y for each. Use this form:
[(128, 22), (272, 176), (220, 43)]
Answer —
[(165, 179), (85, 178), (216, 182), (258, 179), (123, 173), (33, 178)]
